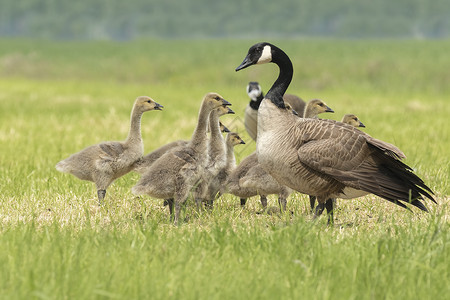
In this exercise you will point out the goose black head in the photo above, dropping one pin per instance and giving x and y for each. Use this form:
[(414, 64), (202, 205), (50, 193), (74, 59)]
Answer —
[(260, 53)]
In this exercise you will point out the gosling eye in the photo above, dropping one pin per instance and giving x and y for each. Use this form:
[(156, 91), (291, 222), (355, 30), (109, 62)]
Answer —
[(149, 101), (217, 98)]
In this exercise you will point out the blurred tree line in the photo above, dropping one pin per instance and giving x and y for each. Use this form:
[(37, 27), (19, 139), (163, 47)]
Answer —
[(128, 19)]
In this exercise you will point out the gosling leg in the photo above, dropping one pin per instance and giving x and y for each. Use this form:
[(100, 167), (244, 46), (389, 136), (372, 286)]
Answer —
[(264, 202), (101, 195), (282, 203), (170, 203), (243, 201)]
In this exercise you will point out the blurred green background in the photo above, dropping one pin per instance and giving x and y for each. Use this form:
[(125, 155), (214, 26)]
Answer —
[(125, 20)]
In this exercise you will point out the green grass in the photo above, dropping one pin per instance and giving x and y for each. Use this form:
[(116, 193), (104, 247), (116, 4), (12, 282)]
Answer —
[(55, 242)]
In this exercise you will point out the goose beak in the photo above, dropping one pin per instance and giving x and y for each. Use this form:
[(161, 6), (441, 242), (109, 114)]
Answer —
[(230, 111), (225, 102), (361, 124), (246, 63), (329, 110), (158, 106)]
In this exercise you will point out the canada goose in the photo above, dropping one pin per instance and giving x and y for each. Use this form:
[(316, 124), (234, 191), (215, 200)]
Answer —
[(325, 158), (105, 162), (216, 154), (256, 95), (175, 173)]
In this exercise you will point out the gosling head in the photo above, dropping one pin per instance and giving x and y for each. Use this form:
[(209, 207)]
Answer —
[(254, 90), (214, 100), (224, 109), (289, 108), (223, 128), (317, 106), (260, 53), (234, 139), (352, 120), (145, 103)]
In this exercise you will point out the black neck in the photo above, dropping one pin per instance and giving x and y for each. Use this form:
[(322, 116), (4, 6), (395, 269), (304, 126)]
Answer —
[(276, 92), (255, 104)]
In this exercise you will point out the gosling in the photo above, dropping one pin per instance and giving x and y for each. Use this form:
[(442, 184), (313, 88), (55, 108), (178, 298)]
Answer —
[(105, 162)]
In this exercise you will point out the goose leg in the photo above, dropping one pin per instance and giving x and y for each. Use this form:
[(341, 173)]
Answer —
[(210, 204), (264, 202), (101, 195), (282, 203), (170, 203), (243, 201), (329, 205), (312, 202), (319, 209)]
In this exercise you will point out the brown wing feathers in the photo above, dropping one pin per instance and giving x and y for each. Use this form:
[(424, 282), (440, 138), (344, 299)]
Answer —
[(387, 177)]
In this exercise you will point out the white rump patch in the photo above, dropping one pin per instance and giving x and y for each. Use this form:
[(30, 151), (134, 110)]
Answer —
[(266, 55)]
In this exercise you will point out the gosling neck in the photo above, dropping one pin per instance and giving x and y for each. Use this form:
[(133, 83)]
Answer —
[(198, 140), (231, 159), (279, 87), (309, 113), (134, 135), (216, 147)]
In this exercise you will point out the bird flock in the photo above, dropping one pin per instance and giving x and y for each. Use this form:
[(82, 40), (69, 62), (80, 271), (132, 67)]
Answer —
[(295, 151)]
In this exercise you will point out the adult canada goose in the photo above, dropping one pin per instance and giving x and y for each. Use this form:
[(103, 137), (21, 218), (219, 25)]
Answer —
[(175, 173), (325, 158), (147, 160), (256, 95), (105, 162)]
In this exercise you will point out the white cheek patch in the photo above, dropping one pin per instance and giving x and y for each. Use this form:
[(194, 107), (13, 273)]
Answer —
[(254, 94), (266, 55)]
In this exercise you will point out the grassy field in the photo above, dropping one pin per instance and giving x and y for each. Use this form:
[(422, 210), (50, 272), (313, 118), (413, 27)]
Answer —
[(56, 243)]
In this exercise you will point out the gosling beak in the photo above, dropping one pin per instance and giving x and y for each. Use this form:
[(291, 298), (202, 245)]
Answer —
[(230, 111), (329, 110), (361, 124), (242, 142), (295, 112), (225, 102), (245, 63), (158, 106), (225, 129)]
